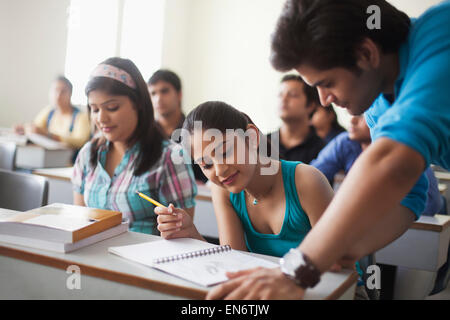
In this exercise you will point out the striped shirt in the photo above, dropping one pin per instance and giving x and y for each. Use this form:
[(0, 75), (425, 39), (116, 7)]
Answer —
[(170, 180)]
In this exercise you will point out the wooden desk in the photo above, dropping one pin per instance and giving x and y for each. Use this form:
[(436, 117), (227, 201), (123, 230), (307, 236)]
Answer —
[(205, 218), (37, 151), (418, 255), (442, 188), (203, 192), (444, 176), (28, 273), (63, 174), (60, 190), (34, 156), (59, 184), (444, 184)]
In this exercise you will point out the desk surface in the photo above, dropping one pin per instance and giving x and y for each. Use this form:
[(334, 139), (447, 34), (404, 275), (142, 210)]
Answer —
[(204, 192), (96, 261), (442, 175), (55, 173), (442, 188), (437, 223), (65, 174)]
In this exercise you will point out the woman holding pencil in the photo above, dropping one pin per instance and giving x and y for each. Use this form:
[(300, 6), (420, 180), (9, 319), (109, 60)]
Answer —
[(262, 205), (129, 154)]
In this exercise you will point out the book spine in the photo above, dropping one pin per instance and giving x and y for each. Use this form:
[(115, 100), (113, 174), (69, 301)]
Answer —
[(193, 254), (96, 227)]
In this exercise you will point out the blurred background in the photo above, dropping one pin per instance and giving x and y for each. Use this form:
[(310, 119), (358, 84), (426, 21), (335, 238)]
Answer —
[(219, 48)]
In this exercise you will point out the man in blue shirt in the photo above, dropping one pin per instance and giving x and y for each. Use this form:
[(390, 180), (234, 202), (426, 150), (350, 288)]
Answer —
[(397, 71), (342, 152)]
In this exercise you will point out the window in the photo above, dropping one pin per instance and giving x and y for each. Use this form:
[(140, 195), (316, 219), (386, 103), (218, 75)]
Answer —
[(99, 29)]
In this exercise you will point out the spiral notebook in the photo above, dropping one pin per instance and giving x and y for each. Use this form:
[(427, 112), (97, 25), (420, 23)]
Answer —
[(194, 260)]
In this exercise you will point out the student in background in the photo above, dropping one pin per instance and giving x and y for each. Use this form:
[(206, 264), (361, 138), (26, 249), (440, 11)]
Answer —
[(165, 91), (398, 74), (130, 154), (262, 212), (298, 140), (324, 120), (342, 152), (61, 121)]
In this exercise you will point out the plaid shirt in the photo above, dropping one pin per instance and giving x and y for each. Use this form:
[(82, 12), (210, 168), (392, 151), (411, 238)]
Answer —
[(170, 180)]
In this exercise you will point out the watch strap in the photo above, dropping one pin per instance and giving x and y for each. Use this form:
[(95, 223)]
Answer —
[(307, 275)]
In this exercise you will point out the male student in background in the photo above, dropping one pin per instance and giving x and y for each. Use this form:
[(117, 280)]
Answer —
[(399, 74), (165, 91), (164, 87), (298, 140), (342, 152)]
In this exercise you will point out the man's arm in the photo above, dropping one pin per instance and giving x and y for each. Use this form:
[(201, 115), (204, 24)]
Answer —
[(367, 200)]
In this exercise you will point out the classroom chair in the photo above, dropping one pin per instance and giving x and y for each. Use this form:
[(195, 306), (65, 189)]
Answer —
[(8, 155), (443, 276), (21, 191), (364, 263)]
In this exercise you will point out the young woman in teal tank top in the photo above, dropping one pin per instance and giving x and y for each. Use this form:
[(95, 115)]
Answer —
[(262, 205)]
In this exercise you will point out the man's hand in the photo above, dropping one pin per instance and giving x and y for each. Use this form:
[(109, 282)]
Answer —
[(257, 284)]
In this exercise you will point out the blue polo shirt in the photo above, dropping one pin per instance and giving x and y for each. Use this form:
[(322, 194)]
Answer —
[(339, 154), (419, 115)]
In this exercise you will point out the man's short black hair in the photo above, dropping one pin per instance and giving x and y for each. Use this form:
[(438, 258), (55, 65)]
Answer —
[(311, 93), (65, 80), (326, 33), (167, 76)]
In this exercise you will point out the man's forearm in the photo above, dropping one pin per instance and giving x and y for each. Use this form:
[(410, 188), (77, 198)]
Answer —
[(392, 226), (371, 192)]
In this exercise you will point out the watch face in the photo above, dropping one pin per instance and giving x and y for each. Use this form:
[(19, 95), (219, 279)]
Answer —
[(291, 261)]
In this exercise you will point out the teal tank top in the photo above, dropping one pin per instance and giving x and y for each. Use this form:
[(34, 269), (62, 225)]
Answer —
[(295, 225)]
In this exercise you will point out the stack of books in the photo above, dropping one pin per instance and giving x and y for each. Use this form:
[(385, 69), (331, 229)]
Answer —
[(60, 227)]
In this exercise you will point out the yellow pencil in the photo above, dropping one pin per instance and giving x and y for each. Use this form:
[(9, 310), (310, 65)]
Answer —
[(156, 203)]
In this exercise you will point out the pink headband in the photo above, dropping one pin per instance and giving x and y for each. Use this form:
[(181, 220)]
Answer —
[(109, 71)]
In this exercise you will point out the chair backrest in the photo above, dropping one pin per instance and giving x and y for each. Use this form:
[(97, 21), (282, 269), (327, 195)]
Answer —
[(21, 191), (7, 155)]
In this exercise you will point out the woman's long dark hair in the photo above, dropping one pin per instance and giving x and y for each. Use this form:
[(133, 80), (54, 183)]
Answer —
[(146, 133), (221, 116), (216, 115)]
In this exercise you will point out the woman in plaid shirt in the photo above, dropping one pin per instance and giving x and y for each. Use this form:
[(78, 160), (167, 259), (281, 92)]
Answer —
[(130, 154)]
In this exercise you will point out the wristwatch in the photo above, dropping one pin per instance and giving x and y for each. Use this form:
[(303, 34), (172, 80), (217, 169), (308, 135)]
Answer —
[(299, 268)]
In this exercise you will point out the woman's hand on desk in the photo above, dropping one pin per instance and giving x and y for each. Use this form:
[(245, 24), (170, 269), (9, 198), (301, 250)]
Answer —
[(176, 223), (257, 284)]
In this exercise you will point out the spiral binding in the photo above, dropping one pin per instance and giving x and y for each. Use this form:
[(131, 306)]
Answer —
[(193, 254)]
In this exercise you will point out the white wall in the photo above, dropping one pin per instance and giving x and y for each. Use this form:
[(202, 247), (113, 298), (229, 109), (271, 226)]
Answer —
[(413, 7), (220, 49), (33, 47), (175, 38)]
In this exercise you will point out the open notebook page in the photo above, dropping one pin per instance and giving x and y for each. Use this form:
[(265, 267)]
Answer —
[(206, 270)]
